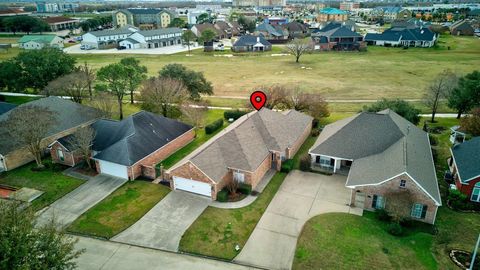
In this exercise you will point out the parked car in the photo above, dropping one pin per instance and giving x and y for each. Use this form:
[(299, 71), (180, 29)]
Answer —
[(219, 47), (72, 41), (86, 47), (121, 48)]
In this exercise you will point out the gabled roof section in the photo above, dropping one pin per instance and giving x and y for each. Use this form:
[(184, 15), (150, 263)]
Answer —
[(266, 27), (382, 145), (333, 11), (249, 40), (130, 140), (247, 142), (467, 159), (161, 31), (37, 38)]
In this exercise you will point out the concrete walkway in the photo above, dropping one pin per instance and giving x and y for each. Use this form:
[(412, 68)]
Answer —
[(302, 196), (163, 226), (107, 255), (250, 198), (71, 206)]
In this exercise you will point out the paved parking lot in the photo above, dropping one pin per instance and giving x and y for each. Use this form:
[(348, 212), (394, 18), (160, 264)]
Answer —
[(71, 206), (75, 49), (301, 197), (163, 226)]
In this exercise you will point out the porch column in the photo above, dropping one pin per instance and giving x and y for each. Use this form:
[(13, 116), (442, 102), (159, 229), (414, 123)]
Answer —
[(334, 165)]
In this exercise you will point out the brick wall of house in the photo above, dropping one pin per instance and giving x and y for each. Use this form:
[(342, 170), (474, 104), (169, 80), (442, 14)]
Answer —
[(149, 172), (70, 158), (258, 174), (294, 148), (160, 154), (22, 156), (393, 185), (466, 188), (190, 171)]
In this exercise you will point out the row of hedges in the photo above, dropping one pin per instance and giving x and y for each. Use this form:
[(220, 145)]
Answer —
[(287, 166), (216, 125), (459, 201), (233, 114)]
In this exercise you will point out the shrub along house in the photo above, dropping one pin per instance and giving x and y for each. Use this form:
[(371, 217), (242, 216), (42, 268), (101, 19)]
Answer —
[(245, 151), (465, 168), (129, 148), (70, 116), (382, 154)]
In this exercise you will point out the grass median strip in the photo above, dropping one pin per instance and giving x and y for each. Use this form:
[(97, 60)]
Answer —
[(217, 231), (120, 209)]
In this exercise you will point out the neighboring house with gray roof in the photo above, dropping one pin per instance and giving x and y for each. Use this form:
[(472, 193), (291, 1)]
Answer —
[(382, 153), (271, 32), (156, 38), (107, 38), (129, 148), (70, 116), (245, 151), (249, 43), (465, 167)]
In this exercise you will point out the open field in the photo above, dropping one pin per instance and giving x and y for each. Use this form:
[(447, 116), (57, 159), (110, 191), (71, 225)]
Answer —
[(380, 72)]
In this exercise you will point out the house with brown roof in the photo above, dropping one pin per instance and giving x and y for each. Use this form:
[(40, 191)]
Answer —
[(245, 151), (59, 23), (197, 29), (462, 28), (388, 161)]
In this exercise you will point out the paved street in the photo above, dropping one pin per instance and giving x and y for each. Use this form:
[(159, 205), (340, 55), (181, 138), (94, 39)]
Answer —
[(301, 197), (163, 226), (106, 255), (71, 206)]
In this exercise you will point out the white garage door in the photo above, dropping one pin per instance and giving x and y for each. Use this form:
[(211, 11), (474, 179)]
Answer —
[(113, 169), (192, 186)]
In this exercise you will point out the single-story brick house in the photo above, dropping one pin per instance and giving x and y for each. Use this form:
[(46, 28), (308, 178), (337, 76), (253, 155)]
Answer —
[(382, 154), (70, 116), (245, 151), (129, 148), (465, 167)]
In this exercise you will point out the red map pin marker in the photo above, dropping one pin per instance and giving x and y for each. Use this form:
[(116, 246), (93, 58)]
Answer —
[(258, 99)]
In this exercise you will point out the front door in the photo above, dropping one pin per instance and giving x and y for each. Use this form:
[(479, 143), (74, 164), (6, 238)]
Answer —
[(360, 199), (274, 161)]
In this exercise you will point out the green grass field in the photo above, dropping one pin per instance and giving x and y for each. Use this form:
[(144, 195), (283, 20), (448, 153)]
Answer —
[(53, 183), (379, 72), (120, 209)]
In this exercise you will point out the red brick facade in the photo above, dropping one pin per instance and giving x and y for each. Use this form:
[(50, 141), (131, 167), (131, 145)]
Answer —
[(465, 188), (393, 185), (69, 158)]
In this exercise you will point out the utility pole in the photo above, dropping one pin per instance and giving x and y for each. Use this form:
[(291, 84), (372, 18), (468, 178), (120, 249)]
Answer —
[(474, 253)]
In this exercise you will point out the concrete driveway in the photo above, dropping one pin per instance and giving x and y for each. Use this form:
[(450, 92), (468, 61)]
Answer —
[(163, 226), (71, 206), (301, 197)]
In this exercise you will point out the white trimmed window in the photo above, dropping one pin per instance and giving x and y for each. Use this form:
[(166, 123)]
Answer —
[(60, 154), (419, 210), (403, 183), (239, 177), (476, 193)]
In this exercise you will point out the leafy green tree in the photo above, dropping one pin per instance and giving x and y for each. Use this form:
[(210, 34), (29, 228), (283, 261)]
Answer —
[(187, 37), (401, 107), (207, 35), (194, 81), (136, 73), (466, 95), (248, 25), (115, 77), (25, 24), (37, 68), (24, 247), (11, 76), (178, 22), (204, 18)]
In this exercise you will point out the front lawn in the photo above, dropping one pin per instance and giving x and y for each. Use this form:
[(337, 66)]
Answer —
[(217, 231), (53, 183), (344, 241), (120, 209)]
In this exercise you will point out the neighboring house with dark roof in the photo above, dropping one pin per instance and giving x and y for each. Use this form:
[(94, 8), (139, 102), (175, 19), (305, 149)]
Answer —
[(390, 13), (59, 23), (145, 18), (230, 29), (249, 43), (337, 36), (382, 153), (245, 151), (107, 38), (296, 29), (156, 38), (272, 33), (198, 29), (129, 148), (462, 28), (70, 116), (406, 37), (5, 107), (37, 42), (465, 167)]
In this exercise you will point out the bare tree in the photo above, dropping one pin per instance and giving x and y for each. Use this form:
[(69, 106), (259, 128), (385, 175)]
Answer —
[(194, 113), (74, 85), (311, 103), (232, 186), (29, 124), (90, 75), (276, 96), (160, 94), (82, 140), (104, 102), (399, 204), (438, 89), (298, 47)]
